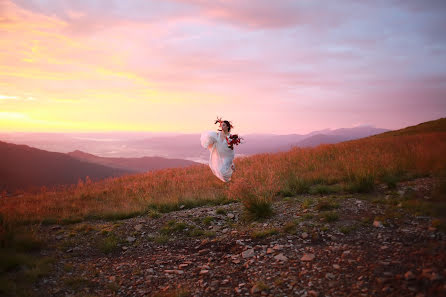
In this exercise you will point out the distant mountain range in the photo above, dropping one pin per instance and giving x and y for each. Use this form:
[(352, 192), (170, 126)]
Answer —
[(28, 168), (188, 145)]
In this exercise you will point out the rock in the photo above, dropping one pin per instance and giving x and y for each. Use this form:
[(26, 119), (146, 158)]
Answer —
[(184, 265), (313, 293), (248, 254), (225, 230), (131, 239), (435, 277), (138, 227), (59, 237), (409, 275), (269, 251), (377, 224), (204, 271), (255, 289), (336, 266), (281, 257), (230, 215), (307, 257), (304, 235), (329, 275), (278, 247), (125, 248)]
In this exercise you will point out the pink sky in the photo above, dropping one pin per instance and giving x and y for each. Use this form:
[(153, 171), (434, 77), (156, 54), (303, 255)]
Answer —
[(269, 66)]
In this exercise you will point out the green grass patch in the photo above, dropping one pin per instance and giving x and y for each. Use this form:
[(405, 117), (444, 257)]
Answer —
[(173, 227), (264, 233), (348, 229), (322, 189), (361, 184), (220, 211), (290, 228), (307, 203), (208, 220), (326, 204), (329, 216), (187, 204), (294, 185), (260, 209), (108, 244), (161, 239)]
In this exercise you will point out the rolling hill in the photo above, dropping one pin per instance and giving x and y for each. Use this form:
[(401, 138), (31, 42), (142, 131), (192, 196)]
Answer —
[(28, 168), (142, 164)]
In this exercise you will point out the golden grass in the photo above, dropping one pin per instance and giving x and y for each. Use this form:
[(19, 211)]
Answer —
[(354, 165)]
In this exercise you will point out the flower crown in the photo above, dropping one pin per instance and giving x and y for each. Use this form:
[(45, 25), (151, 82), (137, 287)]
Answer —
[(219, 120)]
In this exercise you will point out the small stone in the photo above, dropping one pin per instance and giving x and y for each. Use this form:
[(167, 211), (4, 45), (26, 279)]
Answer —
[(336, 266), (255, 289), (230, 215), (278, 247), (269, 251), (184, 265), (124, 248), (138, 227), (307, 257), (248, 253), (435, 277), (329, 275), (204, 271), (377, 224), (313, 293), (281, 257), (182, 206), (304, 235), (131, 239), (59, 237), (409, 275), (112, 278)]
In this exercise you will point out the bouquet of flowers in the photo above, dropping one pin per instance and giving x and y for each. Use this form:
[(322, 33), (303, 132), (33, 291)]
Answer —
[(233, 139)]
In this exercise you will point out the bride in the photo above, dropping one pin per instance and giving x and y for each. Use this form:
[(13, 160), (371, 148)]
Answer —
[(221, 147)]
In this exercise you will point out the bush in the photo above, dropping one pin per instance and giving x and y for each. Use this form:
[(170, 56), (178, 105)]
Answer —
[(256, 205), (361, 184), (294, 185)]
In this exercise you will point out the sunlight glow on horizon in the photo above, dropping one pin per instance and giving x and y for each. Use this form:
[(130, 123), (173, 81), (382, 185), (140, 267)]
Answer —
[(174, 66)]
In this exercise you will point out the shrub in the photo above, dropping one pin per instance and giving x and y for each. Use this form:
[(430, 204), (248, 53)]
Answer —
[(330, 216)]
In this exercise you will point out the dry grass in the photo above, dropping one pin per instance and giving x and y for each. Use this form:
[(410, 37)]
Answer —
[(354, 166)]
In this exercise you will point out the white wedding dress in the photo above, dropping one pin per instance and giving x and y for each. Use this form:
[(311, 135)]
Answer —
[(221, 157)]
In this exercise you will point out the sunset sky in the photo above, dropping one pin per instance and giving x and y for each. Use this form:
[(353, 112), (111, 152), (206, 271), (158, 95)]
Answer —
[(174, 65)]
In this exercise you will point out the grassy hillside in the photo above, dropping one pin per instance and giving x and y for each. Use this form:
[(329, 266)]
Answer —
[(350, 167)]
